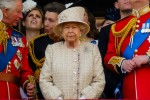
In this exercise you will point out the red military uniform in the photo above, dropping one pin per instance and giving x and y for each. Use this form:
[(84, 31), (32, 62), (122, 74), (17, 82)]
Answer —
[(130, 37), (15, 69)]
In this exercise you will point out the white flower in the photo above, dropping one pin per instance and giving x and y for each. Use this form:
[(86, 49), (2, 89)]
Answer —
[(68, 4), (28, 5)]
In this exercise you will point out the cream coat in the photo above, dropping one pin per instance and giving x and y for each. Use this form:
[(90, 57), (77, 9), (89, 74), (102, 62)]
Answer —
[(71, 73)]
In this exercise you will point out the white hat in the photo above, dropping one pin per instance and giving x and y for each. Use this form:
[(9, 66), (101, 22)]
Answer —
[(28, 5), (73, 14)]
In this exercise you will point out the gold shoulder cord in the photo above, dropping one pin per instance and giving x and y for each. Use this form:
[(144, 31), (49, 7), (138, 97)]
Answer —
[(123, 33), (4, 36), (37, 62)]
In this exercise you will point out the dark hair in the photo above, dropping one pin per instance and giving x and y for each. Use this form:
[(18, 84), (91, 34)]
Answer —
[(54, 7), (38, 8), (112, 14), (93, 33), (115, 0)]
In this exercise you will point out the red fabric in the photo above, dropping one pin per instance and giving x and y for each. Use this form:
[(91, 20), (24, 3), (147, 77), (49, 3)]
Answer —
[(138, 81), (1, 48), (10, 90)]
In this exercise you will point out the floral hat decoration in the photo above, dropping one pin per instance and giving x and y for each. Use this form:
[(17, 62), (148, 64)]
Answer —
[(28, 5)]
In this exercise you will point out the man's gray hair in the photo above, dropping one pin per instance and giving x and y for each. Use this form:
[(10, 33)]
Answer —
[(7, 4)]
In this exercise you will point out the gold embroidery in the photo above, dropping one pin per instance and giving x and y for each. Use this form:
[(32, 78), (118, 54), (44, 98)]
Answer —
[(37, 74), (148, 53), (116, 61), (141, 12), (37, 62), (123, 33), (17, 64), (4, 36)]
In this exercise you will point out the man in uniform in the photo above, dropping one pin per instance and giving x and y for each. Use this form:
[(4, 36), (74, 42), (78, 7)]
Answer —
[(14, 69), (129, 51), (112, 79)]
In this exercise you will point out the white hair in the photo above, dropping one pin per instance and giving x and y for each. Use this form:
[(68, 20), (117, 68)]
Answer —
[(81, 26), (7, 4)]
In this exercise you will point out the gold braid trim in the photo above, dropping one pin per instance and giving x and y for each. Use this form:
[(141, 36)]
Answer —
[(123, 33), (116, 61), (37, 62), (148, 53), (3, 36), (17, 31)]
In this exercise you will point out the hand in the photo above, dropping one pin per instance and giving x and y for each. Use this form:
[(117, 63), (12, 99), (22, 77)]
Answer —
[(140, 60), (128, 65), (30, 88)]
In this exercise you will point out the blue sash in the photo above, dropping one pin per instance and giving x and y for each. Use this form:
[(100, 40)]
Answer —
[(139, 38), (11, 50)]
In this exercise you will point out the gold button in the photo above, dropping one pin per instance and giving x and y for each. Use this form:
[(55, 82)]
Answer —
[(138, 21), (136, 30), (135, 50), (9, 62), (9, 70), (137, 26)]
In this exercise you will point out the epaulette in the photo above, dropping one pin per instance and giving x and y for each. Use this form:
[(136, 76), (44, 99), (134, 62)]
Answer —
[(39, 36), (121, 29)]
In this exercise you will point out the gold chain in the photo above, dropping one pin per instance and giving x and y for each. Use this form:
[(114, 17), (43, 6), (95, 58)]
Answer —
[(123, 33)]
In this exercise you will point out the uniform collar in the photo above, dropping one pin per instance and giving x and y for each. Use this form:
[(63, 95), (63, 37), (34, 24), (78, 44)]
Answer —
[(141, 12)]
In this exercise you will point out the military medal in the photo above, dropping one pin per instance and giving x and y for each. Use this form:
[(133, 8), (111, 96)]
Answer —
[(143, 28), (148, 39), (17, 64), (17, 41), (147, 27), (19, 54)]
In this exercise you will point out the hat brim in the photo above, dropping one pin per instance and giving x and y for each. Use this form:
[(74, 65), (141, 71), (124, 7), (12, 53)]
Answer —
[(57, 29)]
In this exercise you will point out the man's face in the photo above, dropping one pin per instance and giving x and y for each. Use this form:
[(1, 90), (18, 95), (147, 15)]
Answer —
[(123, 5), (50, 21), (14, 15)]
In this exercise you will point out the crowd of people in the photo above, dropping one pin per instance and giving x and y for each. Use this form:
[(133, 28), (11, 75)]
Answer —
[(58, 52)]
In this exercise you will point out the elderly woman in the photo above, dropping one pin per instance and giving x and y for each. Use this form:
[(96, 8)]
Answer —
[(72, 69)]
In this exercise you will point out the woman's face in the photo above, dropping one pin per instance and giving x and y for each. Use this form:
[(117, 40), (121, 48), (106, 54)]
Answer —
[(50, 21), (71, 32), (33, 20)]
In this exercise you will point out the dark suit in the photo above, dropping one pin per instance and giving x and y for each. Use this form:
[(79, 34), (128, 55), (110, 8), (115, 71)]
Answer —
[(36, 56), (112, 79)]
